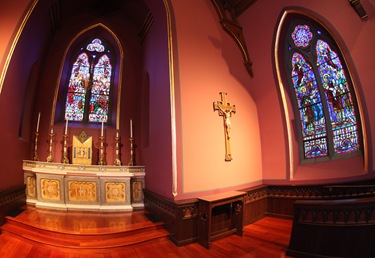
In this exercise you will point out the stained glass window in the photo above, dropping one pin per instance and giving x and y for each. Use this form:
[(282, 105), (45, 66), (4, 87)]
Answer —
[(324, 100), (89, 86)]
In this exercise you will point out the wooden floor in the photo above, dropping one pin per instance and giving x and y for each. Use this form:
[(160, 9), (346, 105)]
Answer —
[(268, 237)]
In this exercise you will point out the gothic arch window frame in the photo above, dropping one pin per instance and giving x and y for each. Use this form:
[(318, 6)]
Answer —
[(103, 31), (94, 57), (283, 54)]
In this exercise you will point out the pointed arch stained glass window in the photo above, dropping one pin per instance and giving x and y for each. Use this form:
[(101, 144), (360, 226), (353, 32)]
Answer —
[(88, 93), (324, 99)]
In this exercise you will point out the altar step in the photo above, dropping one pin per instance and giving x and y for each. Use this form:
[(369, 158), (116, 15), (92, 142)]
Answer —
[(119, 237)]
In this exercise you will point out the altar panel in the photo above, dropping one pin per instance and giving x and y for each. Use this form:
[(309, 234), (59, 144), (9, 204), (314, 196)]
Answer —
[(84, 187), (117, 194), (30, 181), (50, 190), (82, 192)]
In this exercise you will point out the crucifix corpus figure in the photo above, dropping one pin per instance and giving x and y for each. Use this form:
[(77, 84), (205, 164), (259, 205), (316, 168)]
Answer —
[(226, 111)]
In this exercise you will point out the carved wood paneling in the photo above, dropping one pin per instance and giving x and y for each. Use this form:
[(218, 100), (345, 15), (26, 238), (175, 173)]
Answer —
[(11, 200), (333, 228), (181, 217)]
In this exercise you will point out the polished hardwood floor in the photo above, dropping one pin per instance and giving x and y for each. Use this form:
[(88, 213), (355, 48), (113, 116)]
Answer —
[(48, 233)]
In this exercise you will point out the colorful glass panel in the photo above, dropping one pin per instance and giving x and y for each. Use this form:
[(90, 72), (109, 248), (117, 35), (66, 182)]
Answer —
[(92, 82), (316, 148), (96, 45), (339, 100), (100, 90), (302, 35), (313, 125), (78, 83)]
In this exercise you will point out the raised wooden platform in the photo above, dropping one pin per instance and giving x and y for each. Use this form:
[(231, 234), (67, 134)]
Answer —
[(83, 230), (67, 234)]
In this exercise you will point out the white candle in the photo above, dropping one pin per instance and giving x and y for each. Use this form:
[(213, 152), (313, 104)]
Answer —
[(102, 133), (66, 126), (37, 124), (131, 128), (52, 130), (117, 134)]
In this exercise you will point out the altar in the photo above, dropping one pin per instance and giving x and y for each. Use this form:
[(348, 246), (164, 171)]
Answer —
[(84, 187)]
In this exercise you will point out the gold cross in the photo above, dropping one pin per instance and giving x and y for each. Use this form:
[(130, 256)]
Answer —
[(226, 110)]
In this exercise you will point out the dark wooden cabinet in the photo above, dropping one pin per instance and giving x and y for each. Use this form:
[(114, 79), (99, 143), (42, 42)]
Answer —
[(219, 215)]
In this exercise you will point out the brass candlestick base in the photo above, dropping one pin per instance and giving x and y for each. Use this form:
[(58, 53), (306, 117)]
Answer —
[(132, 161), (35, 158), (65, 158), (101, 153)]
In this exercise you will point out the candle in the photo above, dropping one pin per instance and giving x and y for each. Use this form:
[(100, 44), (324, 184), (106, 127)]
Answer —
[(131, 128), (52, 130), (66, 126), (102, 133), (37, 124), (117, 134)]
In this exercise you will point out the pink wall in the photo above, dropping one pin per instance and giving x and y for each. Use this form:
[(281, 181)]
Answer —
[(206, 61), (158, 150), (354, 36), (11, 15), (209, 62), (17, 97)]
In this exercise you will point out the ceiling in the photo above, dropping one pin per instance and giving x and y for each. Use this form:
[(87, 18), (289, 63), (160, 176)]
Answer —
[(135, 11)]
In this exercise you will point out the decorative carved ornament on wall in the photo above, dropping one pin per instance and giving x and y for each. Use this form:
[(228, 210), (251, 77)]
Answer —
[(356, 4), (228, 11)]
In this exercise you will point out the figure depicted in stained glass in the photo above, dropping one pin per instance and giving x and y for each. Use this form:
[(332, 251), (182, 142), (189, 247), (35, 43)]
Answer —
[(89, 84), (317, 75), (74, 108), (308, 98), (333, 98), (100, 90)]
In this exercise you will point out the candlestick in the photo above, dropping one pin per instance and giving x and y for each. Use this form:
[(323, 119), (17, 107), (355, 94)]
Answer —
[(50, 157), (102, 133), (37, 124), (131, 128), (132, 161), (65, 158), (36, 147), (117, 161), (66, 126), (101, 160)]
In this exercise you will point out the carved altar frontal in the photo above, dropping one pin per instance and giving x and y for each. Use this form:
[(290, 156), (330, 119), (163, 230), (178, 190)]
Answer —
[(84, 187)]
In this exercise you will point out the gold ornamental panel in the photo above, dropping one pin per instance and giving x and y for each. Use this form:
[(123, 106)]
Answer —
[(82, 149), (31, 186), (82, 191), (137, 195), (50, 189), (115, 192)]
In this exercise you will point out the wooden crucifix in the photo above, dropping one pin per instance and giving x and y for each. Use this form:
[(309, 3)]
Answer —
[(226, 110)]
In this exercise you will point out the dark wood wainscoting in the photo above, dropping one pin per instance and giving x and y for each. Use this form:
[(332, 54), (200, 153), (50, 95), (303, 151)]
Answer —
[(333, 228), (11, 200), (181, 217), (256, 202)]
